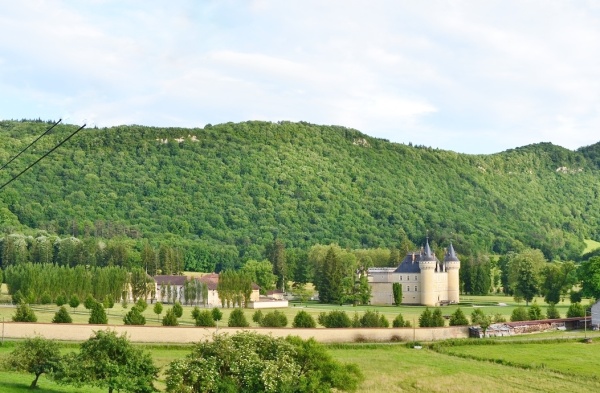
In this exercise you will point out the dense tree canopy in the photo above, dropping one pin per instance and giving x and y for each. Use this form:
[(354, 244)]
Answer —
[(218, 196)]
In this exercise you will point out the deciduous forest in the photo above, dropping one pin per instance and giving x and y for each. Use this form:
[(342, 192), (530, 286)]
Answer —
[(217, 196)]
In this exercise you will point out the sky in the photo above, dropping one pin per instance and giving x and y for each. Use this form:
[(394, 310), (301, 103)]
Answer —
[(475, 77)]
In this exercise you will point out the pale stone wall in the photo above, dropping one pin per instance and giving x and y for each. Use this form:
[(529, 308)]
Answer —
[(381, 293), (180, 334), (269, 304)]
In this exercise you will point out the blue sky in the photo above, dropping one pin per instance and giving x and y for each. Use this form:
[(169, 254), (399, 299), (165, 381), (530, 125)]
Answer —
[(468, 76)]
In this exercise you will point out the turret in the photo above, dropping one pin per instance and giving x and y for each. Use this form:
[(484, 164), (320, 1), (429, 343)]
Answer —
[(452, 267), (427, 265)]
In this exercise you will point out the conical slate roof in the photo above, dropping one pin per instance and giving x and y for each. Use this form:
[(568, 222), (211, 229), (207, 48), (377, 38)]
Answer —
[(428, 257), (451, 255)]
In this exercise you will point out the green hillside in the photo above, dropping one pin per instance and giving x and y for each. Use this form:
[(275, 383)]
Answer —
[(235, 187)]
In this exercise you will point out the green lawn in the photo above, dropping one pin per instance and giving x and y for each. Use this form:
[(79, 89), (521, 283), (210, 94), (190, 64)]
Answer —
[(395, 368), (567, 366), (571, 358)]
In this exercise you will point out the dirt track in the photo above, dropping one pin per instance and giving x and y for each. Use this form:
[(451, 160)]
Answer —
[(180, 334)]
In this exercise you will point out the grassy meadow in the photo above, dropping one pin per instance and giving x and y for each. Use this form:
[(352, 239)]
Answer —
[(549, 366)]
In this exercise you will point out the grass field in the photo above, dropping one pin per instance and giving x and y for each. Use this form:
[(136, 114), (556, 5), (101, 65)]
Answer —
[(590, 245), (567, 366)]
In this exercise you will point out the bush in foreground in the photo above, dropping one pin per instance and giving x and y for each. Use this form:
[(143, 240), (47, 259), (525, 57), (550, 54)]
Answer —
[(249, 362), (109, 361)]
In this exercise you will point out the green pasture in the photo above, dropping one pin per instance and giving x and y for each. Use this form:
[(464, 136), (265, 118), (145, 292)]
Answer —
[(536, 367), (395, 368), (573, 358)]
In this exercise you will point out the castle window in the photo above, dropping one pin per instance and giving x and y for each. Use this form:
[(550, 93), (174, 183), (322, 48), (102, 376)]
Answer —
[(408, 288), (415, 288), (415, 278), (400, 278)]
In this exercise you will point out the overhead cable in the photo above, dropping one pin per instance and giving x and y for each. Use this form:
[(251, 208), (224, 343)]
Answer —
[(31, 144), (42, 157)]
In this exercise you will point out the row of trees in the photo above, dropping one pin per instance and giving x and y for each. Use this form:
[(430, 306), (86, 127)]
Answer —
[(17, 249), (34, 282)]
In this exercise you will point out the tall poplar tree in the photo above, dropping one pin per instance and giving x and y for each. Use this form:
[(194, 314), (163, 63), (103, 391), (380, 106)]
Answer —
[(276, 255)]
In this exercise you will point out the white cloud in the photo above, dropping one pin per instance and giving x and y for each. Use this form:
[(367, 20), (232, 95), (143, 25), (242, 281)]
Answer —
[(469, 76)]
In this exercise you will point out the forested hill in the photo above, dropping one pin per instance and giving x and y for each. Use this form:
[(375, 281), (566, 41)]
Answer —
[(240, 185)]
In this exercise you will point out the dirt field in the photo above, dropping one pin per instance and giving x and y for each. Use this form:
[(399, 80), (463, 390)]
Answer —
[(184, 334)]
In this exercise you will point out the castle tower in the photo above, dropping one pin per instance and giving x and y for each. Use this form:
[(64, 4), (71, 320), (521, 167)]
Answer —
[(427, 265), (452, 267)]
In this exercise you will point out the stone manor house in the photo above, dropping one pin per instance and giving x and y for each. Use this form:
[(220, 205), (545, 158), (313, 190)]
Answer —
[(423, 277)]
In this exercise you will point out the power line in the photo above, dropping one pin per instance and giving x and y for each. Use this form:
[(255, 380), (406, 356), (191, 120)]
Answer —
[(42, 157), (31, 144)]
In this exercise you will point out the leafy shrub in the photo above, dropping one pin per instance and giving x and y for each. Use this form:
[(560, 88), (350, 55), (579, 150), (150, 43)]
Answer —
[(276, 365), (335, 319), (108, 302), (134, 317), (141, 304), (304, 320), (437, 319), (426, 318), (178, 309), (477, 316), (203, 318), (74, 301), (552, 312), (216, 314), (499, 318), (458, 318), (61, 300), (257, 317), (46, 298), (519, 314), (170, 319), (575, 310), (18, 297), (535, 312), (62, 316), (24, 313), (89, 302), (98, 315), (237, 319), (274, 319), (373, 319), (399, 322)]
